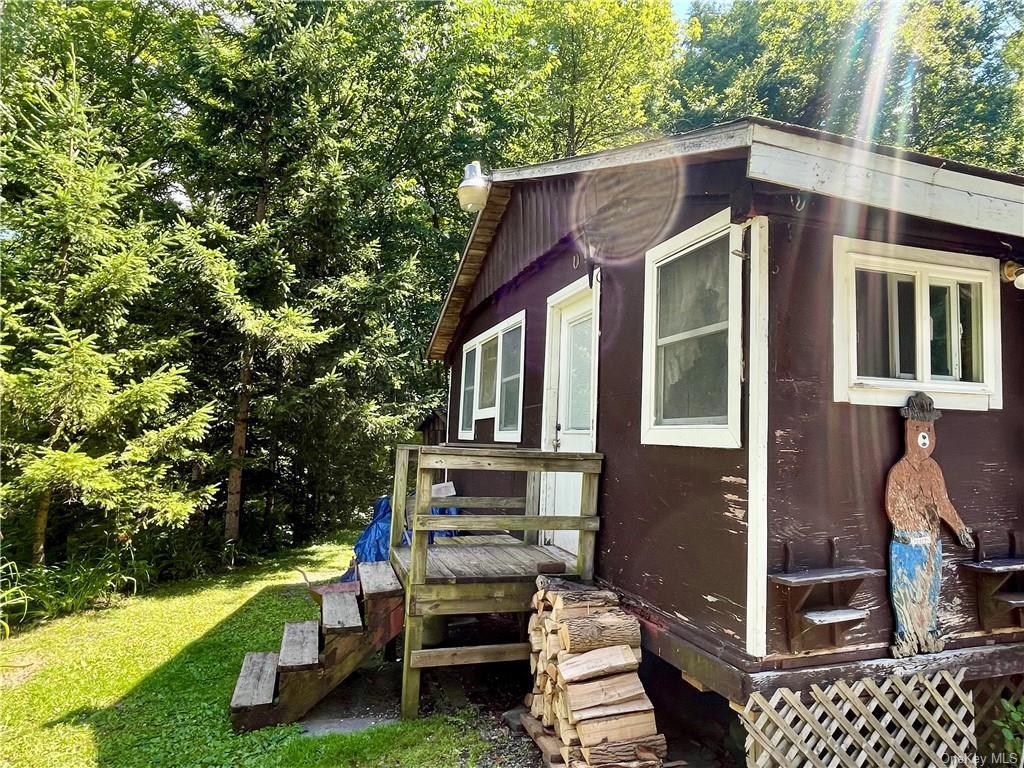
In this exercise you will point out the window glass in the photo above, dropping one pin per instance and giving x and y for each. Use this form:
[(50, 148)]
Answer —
[(692, 359), (511, 378), (488, 372), (468, 390), (970, 331), (692, 380), (886, 325), (940, 312), (693, 290), (580, 372)]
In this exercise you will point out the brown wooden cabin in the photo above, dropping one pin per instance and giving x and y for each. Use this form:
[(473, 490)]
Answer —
[(732, 318)]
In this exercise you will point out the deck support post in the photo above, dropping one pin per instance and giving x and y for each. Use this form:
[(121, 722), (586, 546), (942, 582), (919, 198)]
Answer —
[(417, 577), (533, 481), (588, 539)]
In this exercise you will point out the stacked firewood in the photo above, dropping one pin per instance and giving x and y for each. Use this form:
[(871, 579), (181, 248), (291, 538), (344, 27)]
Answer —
[(588, 702)]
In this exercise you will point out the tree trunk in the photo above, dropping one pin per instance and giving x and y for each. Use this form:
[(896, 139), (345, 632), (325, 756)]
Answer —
[(39, 529), (268, 511), (232, 515)]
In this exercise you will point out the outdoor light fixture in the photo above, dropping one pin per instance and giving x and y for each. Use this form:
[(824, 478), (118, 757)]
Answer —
[(1013, 273), (474, 188)]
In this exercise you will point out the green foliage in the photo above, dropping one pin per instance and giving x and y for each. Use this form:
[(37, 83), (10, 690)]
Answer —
[(92, 419), (939, 77), (13, 603), (51, 591), (575, 77), (1011, 726)]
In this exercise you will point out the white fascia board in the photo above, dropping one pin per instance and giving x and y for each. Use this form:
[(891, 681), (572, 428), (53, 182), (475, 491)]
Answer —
[(722, 138), (866, 177)]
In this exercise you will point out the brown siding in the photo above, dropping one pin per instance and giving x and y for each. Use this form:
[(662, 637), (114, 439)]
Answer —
[(673, 519), (828, 461)]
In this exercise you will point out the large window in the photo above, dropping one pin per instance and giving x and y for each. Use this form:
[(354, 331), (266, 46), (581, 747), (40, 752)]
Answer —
[(492, 376), (692, 337), (908, 319)]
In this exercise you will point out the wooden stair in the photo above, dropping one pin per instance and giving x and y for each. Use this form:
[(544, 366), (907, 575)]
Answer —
[(316, 656)]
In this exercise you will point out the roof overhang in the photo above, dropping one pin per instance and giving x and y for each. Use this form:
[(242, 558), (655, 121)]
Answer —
[(777, 153)]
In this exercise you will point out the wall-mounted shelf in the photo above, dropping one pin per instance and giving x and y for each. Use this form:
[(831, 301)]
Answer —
[(832, 589), (991, 577)]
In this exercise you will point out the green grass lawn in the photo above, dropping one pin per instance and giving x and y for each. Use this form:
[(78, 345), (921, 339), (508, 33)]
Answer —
[(147, 683)]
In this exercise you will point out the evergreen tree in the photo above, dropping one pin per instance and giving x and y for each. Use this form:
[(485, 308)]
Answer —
[(91, 421)]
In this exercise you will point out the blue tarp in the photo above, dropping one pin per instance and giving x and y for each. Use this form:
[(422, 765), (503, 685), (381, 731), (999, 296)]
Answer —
[(373, 542)]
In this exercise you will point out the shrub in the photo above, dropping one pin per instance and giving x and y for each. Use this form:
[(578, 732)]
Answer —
[(1012, 726), (13, 603), (52, 591)]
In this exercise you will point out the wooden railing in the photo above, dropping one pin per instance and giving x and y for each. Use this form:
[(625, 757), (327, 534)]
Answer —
[(533, 463), (422, 599)]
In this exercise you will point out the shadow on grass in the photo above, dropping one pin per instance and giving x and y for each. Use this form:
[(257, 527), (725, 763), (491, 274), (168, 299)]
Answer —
[(178, 714)]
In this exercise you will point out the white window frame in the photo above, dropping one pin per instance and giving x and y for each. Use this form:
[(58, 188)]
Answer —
[(725, 435), (495, 332), (468, 434), (927, 267)]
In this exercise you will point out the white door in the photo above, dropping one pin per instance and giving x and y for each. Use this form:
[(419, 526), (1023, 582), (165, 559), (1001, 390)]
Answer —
[(570, 399)]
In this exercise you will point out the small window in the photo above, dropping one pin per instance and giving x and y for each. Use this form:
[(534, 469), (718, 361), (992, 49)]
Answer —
[(692, 337), (909, 319), (468, 393), (509, 410), (492, 380), (488, 376)]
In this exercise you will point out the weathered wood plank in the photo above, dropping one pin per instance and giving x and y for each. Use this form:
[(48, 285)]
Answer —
[(507, 522), (340, 613), (402, 453), (256, 682), (300, 646), (480, 502), (508, 461), (817, 576), (378, 580), (470, 654)]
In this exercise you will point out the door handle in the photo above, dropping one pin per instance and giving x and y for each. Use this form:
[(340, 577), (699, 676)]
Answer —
[(557, 443)]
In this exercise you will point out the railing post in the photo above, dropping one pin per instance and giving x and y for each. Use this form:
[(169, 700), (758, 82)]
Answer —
[(588, 539), (417, 577), (533, 483), (398, 495)]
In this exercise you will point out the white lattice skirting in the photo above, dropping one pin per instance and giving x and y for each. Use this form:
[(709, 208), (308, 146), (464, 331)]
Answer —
[(917, 721)]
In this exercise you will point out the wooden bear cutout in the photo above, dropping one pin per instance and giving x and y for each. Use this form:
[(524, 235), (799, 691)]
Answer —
[(916, 501)]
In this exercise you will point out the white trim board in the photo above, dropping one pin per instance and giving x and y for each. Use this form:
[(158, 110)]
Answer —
[(757, 442), (889, 183)]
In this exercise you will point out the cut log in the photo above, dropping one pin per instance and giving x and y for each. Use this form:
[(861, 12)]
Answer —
[(601, 631), (637, 704), (533, 662), (571, 753), (552, 645), (646, 748), (590, 598), (544, 583), (576, 611), (606, 690), (568, 734), (635, 725), (602, 661), (629, 764)]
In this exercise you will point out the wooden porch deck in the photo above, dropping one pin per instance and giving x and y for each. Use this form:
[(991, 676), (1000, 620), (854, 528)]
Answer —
[(459, 560), (485, 573)]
